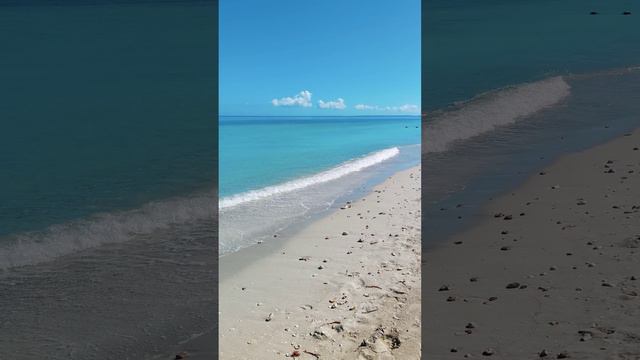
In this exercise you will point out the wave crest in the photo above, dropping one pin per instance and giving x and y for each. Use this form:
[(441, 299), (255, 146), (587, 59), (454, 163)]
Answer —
[(487, 111), (63, 239), (322, 177)]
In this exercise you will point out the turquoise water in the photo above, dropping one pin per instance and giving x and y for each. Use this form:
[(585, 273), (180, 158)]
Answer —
[(276, 172), (259, 151), (471, 47)]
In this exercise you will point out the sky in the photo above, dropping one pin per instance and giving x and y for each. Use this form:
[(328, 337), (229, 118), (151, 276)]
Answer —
[(319, 57)]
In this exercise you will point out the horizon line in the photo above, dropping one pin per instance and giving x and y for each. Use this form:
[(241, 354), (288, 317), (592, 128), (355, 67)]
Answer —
[(381, 115)]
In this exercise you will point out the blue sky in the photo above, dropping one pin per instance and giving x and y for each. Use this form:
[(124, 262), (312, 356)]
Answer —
[(319, 57)]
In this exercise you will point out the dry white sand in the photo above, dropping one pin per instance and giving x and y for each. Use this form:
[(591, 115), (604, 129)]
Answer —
[(550, 272), (345, 287)]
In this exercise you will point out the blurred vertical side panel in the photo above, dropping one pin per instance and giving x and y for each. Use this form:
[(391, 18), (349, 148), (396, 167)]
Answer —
[(108, 179)]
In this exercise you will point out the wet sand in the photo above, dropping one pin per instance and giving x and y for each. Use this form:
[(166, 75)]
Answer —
[(345, 287), (550, 271)]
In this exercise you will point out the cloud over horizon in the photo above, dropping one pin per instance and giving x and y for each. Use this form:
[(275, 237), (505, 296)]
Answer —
[(338, 104), (301, 99), (406, 108)]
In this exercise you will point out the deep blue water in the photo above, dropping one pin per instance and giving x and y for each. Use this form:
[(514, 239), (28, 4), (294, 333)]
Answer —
[(471, 46), (103, 108), (107, 170), (511, 85)]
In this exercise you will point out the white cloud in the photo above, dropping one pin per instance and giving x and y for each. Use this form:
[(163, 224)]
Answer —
[(409, 108), (406, 108), (302, 99), (338, 104), (366, 107)]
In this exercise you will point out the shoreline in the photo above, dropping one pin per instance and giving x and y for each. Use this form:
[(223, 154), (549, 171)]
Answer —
[(333, 292), (548, 268)]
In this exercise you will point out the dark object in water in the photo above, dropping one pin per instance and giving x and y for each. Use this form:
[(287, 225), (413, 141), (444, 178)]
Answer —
[(626, 13), (593, 13)]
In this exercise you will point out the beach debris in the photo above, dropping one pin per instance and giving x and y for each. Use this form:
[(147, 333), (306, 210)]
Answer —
[(317, 356), (585, 335), (269, 317), (470, 325), (336, 325), (393, 337), (488, 352), (344, 233), (505, 248), (318, 334), (563, 355), (473, 279), (606, 284), (304, 258), (181, 355), (457, 242), (451, 298), (508, 217), (543, 353), (493, 298), (444, 288), (295, 353), (513, 285), (369, 309)]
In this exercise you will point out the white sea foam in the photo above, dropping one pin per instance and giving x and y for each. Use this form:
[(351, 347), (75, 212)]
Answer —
[(301, 183), (63, 239), (490, 110)]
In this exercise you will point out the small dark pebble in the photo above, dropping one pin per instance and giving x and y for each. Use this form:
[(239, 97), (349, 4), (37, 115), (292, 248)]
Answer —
[(543, 353), (488, 352), (513, 285)]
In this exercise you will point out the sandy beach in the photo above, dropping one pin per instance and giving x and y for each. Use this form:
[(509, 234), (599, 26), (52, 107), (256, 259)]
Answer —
[(551, 269), (345, 287)]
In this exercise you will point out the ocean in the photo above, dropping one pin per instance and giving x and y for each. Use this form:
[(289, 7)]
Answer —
[(276, 172), (509, 86), (108, 165)]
